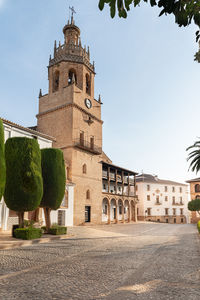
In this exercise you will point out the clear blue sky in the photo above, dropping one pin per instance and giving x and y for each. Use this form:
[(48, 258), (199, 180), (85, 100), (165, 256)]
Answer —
[(145, 73)]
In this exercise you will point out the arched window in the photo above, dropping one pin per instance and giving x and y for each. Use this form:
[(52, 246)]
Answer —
[(72, 76), (84, 169), (197, 197), (87, 78), (197, 188), (56, 79), (88, 194)]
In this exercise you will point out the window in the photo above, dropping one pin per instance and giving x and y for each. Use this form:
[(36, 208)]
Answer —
[(149, 211), (148, 187), (88, 194), (87, 81), (82, 138), (166, 198), (148, 197), (197, 188), (166, 211), (119, 188), (84, 169), (56, 78), (104, 186), (92, 143), (181, 220), (120, 209), (174, 211), (181, 211), (173, 189), (180, 190), (181, 200), (165, 188), (174, 220), (173, 200), (72, 76), (157, 200)]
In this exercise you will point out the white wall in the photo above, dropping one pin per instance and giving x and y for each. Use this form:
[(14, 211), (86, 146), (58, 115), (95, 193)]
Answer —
[(159, 190)]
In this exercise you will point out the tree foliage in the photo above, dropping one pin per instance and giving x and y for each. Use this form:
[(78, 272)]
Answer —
[(184, 11), (194, 157), (194, 205), (2, 161), (54, 180), (24, 188)]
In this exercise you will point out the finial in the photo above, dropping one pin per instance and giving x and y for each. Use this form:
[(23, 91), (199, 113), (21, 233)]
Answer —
[(93, 64), (99, 98), (79, 41), (59, 44), (50, 57), (72, 16), (89, 52), (40, 93)]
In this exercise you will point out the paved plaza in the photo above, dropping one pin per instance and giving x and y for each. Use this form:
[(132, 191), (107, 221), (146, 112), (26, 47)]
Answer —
[(130, 261)]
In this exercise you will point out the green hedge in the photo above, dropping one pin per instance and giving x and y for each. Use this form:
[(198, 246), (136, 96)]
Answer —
[(198, 226), (28, 233), (24, 186), (2, 161), (54, 180), (58, 230)]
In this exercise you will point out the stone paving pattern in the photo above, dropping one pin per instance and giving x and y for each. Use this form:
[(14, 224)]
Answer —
[(129, 261)]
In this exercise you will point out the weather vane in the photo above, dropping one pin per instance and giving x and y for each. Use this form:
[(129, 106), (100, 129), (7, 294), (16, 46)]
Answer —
[(72, 10)]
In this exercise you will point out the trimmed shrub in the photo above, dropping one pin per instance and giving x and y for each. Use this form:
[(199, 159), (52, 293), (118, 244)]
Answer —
[(54, 180), (59, 230), (28, 233), (198, 226), (2, 161), (24, 186)]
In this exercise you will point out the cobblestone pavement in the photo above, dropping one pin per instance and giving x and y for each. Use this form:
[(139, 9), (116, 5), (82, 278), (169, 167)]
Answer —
[(115, 262)]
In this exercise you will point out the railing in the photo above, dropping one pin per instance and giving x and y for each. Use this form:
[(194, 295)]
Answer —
[(82, 144), (158, 203), (178, 203), (104, 174)]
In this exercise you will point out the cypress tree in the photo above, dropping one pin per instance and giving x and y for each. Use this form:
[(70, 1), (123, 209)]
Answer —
[(24, 186), (2, 161), (54, 180)]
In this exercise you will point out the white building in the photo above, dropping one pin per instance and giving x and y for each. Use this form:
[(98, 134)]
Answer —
[(161, 200), (65, 213)]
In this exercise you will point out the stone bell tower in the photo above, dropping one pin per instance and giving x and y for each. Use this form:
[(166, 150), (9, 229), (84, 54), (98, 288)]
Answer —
[(71, 114)]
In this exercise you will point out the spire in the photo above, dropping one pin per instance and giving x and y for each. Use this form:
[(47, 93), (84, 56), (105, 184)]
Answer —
[(40, 93), (55, 46)]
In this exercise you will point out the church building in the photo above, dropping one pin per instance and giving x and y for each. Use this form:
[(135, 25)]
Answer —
[(69, 112)]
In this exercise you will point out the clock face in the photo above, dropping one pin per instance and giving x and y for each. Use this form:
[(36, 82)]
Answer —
[(88, 103)]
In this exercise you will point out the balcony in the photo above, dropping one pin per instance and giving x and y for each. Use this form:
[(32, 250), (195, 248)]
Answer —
[(90, 147), (158, 203), (104, 174), (178, 203)]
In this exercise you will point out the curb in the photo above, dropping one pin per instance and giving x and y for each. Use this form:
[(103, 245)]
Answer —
[(20, 243)]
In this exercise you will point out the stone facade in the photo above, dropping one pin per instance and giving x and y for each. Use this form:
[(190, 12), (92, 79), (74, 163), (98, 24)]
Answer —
[(71, 114)]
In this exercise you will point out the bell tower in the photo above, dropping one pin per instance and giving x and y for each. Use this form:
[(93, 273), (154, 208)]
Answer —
[(71, 114)]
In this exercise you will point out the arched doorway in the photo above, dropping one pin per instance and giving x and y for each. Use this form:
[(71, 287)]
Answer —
[(113, 210), (120, 210), (126, 211), (105, 210)]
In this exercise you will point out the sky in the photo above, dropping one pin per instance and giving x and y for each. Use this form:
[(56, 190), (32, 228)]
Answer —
[(146, 75)]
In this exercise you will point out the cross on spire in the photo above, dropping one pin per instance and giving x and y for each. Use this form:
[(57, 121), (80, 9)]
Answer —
[(72, 11)]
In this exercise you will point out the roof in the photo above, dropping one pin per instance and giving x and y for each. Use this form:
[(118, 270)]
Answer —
[(105, 158), (154, 179), (194, 180), (32, 131), (119, 168)]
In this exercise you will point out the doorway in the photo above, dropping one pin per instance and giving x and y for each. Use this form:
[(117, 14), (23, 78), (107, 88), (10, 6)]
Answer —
[(87, 213)]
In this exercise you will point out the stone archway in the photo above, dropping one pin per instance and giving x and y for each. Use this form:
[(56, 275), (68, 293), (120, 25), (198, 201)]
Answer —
[(126, 211), (120, 210), (105, 210), (113, 210)]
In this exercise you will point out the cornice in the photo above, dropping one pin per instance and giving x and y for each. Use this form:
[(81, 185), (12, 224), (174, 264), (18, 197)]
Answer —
[(68, 106)]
